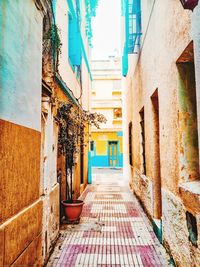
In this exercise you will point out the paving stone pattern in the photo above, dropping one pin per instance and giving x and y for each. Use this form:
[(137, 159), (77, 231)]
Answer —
[(114, 231)]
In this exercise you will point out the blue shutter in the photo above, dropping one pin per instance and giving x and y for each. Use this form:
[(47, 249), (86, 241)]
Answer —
[(74, 42)]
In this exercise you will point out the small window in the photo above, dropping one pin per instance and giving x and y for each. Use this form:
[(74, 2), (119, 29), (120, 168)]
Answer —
[(117, 113), (113, 142), (91, 145), (192, 228)]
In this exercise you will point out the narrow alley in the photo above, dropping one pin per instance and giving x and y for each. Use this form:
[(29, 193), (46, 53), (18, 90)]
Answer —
[(114, 230), (99, 133)]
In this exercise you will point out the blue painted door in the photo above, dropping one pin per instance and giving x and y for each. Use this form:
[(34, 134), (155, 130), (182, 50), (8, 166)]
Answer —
[(113, 153)]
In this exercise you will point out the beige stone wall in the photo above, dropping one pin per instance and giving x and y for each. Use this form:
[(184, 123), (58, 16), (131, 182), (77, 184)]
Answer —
[(164, 38)]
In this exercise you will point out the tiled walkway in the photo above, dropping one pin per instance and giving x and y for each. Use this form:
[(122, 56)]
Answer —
[(114, 230)]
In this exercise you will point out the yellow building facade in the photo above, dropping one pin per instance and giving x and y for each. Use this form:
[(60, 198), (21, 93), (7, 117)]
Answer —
[(106, 143)]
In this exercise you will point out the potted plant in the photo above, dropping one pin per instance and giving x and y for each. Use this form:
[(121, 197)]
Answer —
[(72, 124)]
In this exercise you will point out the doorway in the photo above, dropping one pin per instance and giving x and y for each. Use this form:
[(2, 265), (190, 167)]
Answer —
[(188, 128), (82, 156), (142, 129), (113, 153)]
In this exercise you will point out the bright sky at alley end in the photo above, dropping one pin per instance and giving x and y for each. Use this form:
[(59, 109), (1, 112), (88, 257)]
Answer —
[(106, 29)]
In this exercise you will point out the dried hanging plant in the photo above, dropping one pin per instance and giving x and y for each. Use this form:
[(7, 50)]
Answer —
[(72, 122)]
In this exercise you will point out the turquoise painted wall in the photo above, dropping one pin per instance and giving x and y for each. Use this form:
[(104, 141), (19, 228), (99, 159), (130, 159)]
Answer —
[(20, 62), (103, 161)]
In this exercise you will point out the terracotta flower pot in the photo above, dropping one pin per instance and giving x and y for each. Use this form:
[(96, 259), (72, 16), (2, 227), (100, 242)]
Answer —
[(72, 209)]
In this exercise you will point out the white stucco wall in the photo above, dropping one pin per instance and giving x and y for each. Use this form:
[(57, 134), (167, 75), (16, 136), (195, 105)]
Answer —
[(103, 89), (20, 63), (65, 69)]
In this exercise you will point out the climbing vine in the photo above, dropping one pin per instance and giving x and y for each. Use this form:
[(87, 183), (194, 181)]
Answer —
[(52, 43)]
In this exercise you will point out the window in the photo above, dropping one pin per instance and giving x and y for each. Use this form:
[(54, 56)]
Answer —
[(113, 142), (91, 145), (187, 101), (192, 228), (117, 113)]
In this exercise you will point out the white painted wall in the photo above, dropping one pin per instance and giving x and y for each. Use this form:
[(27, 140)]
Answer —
[(20, 63), (50, 148), (103, 89), (64, 68)]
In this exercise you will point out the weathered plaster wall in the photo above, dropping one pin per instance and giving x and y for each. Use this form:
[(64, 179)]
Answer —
[(20, 111), (156, 65), (20, 168), (51, 220), (50, 189), (162, 44), (175, 230), (19, 233), (20, 57), (49, 137), (142, 186)]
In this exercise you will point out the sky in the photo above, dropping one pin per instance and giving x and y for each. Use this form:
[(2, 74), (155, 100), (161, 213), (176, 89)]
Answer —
[(106, 29)]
